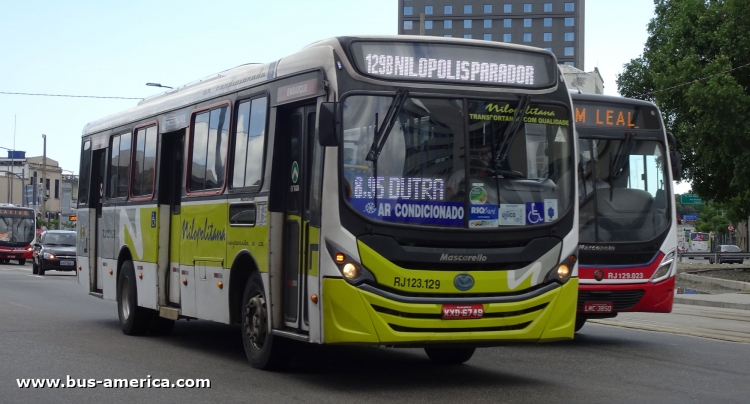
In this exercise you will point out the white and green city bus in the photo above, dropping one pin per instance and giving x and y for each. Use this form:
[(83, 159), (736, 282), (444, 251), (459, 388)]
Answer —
[(398, 191)]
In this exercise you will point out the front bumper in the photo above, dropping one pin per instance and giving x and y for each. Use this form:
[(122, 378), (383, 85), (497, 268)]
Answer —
[(55, 264), (356, 316), (655, 298), (16, 254)]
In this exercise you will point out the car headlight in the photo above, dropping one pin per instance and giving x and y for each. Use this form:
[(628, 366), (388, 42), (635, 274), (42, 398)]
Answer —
[(665, 267), (48, 256)]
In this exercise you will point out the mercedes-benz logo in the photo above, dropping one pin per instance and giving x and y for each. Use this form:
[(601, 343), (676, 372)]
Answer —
[(463, 282), (598, 275)]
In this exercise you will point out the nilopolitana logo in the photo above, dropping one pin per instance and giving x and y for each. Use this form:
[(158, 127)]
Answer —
[(463, 258), (463, 282)]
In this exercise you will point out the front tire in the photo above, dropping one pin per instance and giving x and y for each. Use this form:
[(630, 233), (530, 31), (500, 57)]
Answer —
[(22, 262), (134, 320), (41, 269), (34, 268), (263, 350), (449, 356)]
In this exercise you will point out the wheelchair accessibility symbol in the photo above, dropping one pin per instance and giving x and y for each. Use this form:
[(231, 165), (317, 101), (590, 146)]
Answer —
[(534, 212)]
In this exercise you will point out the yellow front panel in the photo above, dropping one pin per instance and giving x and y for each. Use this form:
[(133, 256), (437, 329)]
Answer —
[(356, 316)]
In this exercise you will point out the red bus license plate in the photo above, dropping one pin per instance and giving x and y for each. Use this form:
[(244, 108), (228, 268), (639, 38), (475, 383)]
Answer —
[(597, 307), (462, 311)]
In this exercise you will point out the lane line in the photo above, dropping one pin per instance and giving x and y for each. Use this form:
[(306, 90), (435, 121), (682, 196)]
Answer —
[(19, 304)]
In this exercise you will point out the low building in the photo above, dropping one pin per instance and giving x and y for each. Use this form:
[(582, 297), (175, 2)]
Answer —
[(585, 82)]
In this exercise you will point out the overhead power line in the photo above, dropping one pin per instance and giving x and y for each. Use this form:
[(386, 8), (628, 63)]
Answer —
[(72, 96), (696, 80)]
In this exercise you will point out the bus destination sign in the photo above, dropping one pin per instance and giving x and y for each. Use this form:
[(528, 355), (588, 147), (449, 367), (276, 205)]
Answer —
[(448, 63), (616, 116)]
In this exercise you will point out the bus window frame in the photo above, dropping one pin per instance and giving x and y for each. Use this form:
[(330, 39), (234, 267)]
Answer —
[(233, 137), (107, 197), (189, 155), (132, 163), (85, 176)]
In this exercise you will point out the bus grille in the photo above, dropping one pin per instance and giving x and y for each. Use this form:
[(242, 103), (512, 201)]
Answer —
[(621, 299), (513, 327)]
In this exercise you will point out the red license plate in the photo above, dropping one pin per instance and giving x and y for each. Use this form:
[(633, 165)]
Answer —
[(462, 311), (597, 307)]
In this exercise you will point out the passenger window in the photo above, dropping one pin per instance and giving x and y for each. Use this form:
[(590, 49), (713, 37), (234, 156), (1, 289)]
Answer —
[(144, 162), (250, 140), (117, 186), (209, 144)]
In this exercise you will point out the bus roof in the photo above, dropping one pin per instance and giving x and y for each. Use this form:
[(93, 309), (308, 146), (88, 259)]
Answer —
[(614, 99), (316, 55)]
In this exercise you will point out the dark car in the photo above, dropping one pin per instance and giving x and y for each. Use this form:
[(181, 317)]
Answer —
[(56, 250), (728, 260)]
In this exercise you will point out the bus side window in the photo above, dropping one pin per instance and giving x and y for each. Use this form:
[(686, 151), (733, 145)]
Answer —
[(250, 139)]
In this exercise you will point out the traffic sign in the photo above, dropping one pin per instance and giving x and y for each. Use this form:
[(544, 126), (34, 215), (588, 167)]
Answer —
[(690, 217), (691, 199)]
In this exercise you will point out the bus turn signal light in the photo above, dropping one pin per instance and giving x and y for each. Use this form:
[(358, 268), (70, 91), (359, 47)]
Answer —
[(340, 258), (314, 298), (184, 282), (220, 285)]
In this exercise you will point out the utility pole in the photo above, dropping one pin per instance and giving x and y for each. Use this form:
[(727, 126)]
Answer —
[(44, 178)]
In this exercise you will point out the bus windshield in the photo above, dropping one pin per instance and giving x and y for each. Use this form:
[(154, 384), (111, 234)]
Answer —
[(621, 191), (16, 231), (516, 177)]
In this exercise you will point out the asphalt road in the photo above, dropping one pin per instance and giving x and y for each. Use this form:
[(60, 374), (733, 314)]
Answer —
[(49, 329)]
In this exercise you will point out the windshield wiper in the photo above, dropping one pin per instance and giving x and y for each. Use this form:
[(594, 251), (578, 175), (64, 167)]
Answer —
[(381, 134), (622, 158), (511, 130)]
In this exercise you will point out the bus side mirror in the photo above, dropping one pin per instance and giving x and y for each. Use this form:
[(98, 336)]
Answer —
[(327, 124), (675, 158)]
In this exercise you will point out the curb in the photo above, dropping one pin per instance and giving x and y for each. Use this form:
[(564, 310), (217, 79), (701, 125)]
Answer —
[(736, 285), (711, 303)]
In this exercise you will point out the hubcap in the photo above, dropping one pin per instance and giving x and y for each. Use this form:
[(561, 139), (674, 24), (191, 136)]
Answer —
[(124, 295), (255, 321)]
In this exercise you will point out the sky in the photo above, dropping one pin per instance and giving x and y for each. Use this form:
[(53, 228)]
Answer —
[(101, 48)]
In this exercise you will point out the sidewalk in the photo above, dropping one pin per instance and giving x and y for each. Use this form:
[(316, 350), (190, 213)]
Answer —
[(725, 300)]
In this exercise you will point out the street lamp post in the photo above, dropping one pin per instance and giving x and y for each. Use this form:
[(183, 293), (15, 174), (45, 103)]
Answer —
[(44, 178)]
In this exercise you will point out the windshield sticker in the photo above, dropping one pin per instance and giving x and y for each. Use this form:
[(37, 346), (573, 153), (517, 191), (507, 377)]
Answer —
[(550, 210), (534, 212), (483, 216), (559, 137), (478, 195), (504, 113), (413, 212), (512, 215)]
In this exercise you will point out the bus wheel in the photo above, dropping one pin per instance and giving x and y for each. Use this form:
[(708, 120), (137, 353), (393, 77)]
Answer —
[(134, 320), (579, 323), (449, 356), (263, 350)]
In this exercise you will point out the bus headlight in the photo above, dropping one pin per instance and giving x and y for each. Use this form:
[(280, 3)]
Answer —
[(665, 267), (563, 271), (351, 271)]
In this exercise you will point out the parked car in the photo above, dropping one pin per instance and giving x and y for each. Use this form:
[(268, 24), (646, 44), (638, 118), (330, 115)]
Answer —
[(728, 260), (56, 250)]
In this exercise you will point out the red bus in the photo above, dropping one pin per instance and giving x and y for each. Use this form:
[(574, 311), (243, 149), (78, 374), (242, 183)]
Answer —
[(16, 233), (627, 223)]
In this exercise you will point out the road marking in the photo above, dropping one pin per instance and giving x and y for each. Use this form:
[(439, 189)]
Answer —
[(732, 336), (36, 276), (19, 304)]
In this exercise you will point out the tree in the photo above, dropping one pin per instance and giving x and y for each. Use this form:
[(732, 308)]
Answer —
[(696, 68), (713, 219)]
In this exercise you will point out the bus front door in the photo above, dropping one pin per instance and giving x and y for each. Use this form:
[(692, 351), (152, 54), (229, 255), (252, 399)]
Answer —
[(298, 129), (96, 224)]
